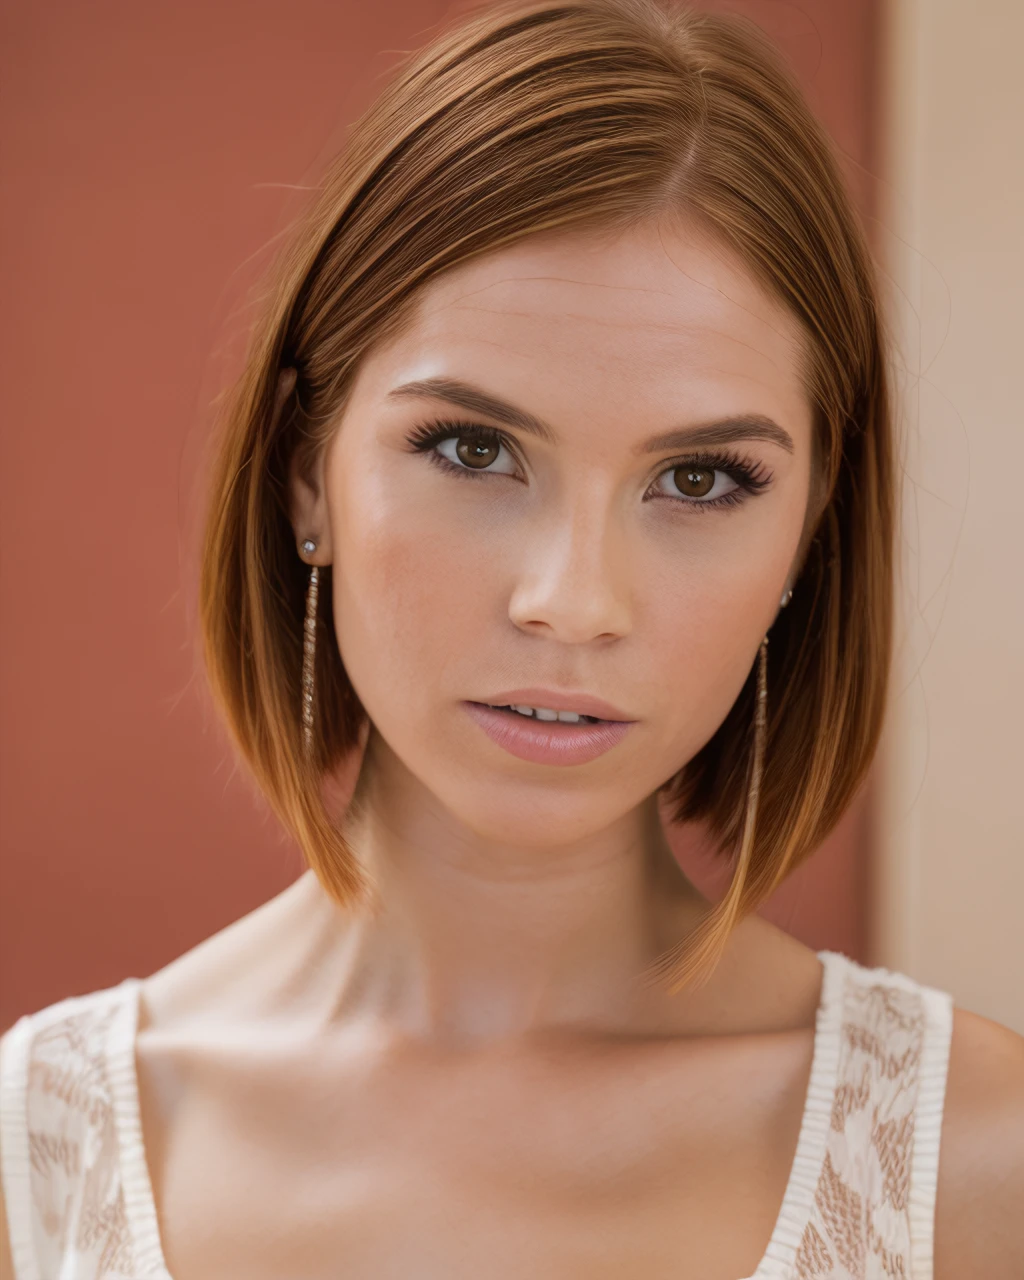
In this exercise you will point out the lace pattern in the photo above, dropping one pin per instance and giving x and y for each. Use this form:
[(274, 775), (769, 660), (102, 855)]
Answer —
[(859, 1205), (864, 1223), (63, 1145)]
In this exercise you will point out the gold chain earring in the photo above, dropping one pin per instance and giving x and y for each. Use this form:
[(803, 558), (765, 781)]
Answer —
[(757, 764), (685, 961), (760, 734), (309, 649)]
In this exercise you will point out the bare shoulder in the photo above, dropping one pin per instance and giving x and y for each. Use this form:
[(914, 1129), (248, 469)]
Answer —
[(237, 971), (979, 1226)]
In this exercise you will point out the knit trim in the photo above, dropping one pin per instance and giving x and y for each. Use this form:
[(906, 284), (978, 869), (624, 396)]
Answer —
[(15, 1162), (798, 1200), (120, 1006), (15, 1156), (931, 1092), (139, 1202)]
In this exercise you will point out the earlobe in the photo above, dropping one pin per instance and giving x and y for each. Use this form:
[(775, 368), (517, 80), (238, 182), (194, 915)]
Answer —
[(309, 516), (306, 506), (309, 519)]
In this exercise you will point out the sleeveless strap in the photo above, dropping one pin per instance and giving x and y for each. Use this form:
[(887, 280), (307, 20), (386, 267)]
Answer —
[(874, 1206), (15, 1161), (860, 1201), (64, 1141), (931, 1095)]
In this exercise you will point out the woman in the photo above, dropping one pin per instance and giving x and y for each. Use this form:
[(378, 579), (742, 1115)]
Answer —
[(559, 485)]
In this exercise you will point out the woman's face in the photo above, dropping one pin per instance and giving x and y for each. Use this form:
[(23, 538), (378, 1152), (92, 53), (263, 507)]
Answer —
[(472, 556)]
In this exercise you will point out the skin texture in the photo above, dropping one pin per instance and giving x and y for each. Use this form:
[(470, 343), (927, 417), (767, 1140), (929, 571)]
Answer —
[(472, 1080), (518, 894)]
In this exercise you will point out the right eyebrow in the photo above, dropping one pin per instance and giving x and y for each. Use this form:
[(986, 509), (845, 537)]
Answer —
[(744, 426), (475, 400)]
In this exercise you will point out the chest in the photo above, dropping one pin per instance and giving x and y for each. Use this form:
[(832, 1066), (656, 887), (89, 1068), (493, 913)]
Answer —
[(662, 1162)]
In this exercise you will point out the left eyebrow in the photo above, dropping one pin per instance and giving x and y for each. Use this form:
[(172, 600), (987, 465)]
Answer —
[(743, 426)]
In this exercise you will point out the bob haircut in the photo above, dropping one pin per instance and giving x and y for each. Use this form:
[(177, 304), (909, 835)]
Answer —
[(520, 118)]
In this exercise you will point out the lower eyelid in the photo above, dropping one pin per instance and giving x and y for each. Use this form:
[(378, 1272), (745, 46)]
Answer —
[(747, 484), (733, 498)]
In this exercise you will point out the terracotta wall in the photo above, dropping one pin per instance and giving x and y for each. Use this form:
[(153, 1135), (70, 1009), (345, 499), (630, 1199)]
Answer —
[(149, 155)]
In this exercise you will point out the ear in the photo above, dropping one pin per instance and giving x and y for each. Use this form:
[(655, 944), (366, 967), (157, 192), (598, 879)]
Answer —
[(307, 503)]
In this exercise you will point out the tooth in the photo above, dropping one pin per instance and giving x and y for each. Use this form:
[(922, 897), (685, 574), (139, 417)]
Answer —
[(543, 713)]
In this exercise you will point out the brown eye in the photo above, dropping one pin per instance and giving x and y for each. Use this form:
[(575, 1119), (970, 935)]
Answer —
[(476, 453), (695, 482)]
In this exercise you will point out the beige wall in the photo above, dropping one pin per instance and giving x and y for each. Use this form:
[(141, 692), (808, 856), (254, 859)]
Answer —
[(949, 905)]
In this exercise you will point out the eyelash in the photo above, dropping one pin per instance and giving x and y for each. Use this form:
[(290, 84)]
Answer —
[(751, 477)]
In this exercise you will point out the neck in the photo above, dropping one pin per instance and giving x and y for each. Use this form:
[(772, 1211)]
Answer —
[(474, 940)]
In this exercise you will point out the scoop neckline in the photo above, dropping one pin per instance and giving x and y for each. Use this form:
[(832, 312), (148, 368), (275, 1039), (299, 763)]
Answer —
[(778, 1257)]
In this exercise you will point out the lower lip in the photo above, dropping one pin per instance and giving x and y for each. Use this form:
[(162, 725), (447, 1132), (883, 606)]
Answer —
[(548, 741)]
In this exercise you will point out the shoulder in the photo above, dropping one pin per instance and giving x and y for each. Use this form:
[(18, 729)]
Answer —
[(69, 1036), (58, 1088), (55, 1067), (979, 1227)]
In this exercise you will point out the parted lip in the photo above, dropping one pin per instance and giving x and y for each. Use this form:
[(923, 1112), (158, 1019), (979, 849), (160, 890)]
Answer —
[(584, 703)]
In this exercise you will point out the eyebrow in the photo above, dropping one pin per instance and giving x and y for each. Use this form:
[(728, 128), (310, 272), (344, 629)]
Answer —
[(743, 426)]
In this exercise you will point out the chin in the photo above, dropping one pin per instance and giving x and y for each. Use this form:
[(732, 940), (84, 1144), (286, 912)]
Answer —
[(536, 814)]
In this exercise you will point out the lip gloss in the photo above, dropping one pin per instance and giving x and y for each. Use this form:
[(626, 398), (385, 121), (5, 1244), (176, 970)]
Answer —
[(548, 741)]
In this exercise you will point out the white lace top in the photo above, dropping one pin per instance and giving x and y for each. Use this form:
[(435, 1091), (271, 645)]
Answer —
[(859, 1204)]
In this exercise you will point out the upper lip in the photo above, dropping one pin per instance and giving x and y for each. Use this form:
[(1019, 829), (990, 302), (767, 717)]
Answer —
[(551, 700)]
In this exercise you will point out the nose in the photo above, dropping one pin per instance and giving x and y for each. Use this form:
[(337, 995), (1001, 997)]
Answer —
[(574, 577)]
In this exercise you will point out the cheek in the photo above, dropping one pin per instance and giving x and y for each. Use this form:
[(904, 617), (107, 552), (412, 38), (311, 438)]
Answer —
[(411, 597), (702, 630), (422, 578)]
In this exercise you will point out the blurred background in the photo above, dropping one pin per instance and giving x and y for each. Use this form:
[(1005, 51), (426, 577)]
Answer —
[(152, 158)]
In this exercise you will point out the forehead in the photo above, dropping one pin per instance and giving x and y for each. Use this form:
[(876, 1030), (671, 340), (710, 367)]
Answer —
[(656, 314)]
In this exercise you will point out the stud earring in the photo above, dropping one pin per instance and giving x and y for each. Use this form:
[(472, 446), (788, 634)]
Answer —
[(309, 649), (787, 595)]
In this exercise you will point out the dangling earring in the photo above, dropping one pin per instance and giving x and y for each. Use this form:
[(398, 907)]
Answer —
[(309, 649), (760, 733), (757, 764), (698, 961)]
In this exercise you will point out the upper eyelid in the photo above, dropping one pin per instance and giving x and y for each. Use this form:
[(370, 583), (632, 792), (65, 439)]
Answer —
[(750, 476), (448, 428), (718, 459)]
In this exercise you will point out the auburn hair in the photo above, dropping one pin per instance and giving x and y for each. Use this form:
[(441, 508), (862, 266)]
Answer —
[(515, 119)]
